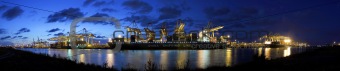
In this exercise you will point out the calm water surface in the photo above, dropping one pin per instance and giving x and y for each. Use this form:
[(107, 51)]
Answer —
[(169, 59)]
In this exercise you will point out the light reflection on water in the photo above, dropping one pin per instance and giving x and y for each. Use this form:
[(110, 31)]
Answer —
[(203, 58), (164, 59), (228, 58), (169, 59), (286, 52)]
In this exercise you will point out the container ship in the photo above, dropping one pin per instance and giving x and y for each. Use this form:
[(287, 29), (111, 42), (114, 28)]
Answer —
[(136, 38), (204, 39), (276, 41)]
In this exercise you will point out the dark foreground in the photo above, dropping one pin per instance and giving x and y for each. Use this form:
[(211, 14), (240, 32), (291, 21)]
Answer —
[(321, 59), (16, 60)]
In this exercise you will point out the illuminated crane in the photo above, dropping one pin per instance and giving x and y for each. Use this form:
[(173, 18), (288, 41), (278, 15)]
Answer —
[(150, 34), (205, 34), (164, 33), (136, 32), (179, 31)]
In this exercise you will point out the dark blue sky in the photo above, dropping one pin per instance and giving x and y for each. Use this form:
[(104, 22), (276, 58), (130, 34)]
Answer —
[(312, 21)]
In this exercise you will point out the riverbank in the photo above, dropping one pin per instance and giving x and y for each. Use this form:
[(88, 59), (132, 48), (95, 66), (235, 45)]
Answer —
[(16, 60), (321, 59)]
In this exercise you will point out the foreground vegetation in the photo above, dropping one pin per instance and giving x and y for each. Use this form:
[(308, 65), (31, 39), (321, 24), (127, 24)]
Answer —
[(27, 61), (321, 59)]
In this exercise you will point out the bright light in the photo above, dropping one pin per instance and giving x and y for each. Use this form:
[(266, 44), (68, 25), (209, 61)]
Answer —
[(287, 40), (119, 36), (286, 52), (267, 42), (89, 45), (228, 36), (110, 40)]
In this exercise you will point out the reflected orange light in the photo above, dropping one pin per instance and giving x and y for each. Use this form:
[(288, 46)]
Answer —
[(286, 52), (267, 53), (164, 60), (202, 59), (82, 58), (259, 51), (181, 59), (110, 60), (228, 59)]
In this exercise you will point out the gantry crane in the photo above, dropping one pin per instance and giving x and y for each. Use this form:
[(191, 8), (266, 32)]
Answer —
[(207, 30), (179, 31), (136, 32), (149, 34), (164, 33)]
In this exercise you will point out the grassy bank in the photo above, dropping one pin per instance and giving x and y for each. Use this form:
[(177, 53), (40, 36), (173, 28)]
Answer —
[(27, 61), (321, 59)]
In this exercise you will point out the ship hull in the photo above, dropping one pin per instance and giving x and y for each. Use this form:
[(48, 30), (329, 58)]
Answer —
[(170, 46)]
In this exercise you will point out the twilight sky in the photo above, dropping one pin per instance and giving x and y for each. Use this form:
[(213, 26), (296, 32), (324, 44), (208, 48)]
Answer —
[(312, 21)]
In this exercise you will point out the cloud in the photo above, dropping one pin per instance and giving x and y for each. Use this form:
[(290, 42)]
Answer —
[(22, 30), (12, 13), (6, 43), (249, 11), (59, 34), (142, 20), (4, 38), (100, 22), (243, 14), (2, 31), (109, 10), (219, 21), (169, 13), (65, 15), (53, 30), (138, 6), (181, 4), (212, 12), (98, 3), (100, 15), (21, 37), (237, 26), (100, 36), (2, 7), (262, 22), (14, 37), (233, 19), (24, 37), (87, 2), (49, 34)]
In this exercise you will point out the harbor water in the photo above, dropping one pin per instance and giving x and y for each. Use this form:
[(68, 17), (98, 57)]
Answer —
[(169, 59)]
